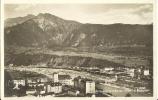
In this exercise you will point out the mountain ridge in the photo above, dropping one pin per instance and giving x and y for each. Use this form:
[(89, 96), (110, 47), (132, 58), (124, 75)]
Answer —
[(69, 20), (49, 31)]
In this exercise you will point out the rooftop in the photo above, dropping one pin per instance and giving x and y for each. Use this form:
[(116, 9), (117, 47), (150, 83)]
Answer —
[(55, 84), (62, 77)]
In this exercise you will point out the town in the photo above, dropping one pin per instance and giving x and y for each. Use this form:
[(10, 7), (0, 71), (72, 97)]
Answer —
[(111, 82)]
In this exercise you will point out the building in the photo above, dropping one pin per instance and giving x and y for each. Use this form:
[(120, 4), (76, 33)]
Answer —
[(54, 87), (73, 92), (55, 77), (11, 65), (111, 79), (37, 80), (108, 68), (131, 72), (146, 72), (30, 92), (42, 80), (93, 70), (66, 80), (90, 87), (84, 85), (116, 77), (32, 83), (42, 92), (137, 74), (18, 82), (77, 82)]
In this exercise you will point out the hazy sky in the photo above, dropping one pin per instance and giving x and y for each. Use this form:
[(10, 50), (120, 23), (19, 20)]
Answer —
[(88, 13)]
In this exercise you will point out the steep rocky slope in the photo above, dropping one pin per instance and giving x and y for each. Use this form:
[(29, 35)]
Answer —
[(51, 31)]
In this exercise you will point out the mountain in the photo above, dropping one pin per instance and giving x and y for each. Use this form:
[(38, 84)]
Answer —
[(40, 30), (15, 21), (49, 31)]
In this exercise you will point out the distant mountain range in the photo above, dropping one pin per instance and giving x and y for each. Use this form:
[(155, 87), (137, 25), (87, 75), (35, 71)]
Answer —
[(49, 31)]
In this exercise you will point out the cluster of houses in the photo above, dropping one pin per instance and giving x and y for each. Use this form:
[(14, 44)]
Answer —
[(138, 73), (133, 72), (39, 86), (61, 84), (55, 85)]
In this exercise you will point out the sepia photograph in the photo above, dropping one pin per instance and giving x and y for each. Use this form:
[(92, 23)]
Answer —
[(78, 50)]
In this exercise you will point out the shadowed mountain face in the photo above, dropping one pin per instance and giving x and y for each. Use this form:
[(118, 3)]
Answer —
[(49, 31), (41, 30)]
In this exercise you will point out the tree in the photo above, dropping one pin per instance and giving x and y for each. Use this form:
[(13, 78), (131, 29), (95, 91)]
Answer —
[(128, 95)]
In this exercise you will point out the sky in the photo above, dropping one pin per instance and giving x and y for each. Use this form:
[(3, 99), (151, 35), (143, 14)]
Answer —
[(87, 13)]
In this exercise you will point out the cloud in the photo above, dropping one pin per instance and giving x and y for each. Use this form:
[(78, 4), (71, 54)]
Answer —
[(22, 7), (142, 10), (133, 14), (117, 16), (89, 13)]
